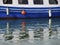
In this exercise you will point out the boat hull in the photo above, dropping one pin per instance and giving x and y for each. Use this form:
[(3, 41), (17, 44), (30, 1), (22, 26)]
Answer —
[(15, 12)]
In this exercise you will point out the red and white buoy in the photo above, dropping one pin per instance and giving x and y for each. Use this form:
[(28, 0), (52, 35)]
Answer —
[(23, 12)]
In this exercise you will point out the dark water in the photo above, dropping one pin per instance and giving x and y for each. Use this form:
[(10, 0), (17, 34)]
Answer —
[(30, 32)]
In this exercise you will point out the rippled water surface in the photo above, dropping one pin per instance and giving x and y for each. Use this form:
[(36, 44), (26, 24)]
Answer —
[(30, 32)]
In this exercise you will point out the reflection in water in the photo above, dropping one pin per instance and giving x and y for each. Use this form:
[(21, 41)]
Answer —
[(29, 29), (8, 34)]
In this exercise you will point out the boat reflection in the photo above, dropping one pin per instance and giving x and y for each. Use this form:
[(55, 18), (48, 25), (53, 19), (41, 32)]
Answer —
[(30, 29), (8, 34)]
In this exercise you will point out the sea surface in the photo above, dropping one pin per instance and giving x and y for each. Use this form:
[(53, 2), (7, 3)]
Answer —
[(43, 31)]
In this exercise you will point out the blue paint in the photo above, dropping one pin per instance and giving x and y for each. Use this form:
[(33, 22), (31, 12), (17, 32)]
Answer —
[(15, 12)]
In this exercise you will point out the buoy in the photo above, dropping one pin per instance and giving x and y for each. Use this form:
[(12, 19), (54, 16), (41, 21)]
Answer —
[(23, 12)]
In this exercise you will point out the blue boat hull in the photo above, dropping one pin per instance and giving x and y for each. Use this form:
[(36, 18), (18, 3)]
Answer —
[(15, 12)]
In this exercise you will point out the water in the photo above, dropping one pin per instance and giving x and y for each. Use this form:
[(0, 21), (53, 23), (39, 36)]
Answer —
[(30, 32)]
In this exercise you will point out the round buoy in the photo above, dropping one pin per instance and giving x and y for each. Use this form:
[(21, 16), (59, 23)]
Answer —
[(23, 12)]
